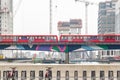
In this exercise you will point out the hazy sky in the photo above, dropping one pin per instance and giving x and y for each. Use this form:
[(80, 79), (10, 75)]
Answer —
[(32, 16)]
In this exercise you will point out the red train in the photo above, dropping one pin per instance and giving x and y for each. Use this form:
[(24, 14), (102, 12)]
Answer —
[(108, 38), (62, 38), (28, 38)]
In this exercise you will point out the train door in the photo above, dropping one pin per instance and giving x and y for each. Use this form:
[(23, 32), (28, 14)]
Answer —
[(23, 75), (15, 38), (58, 75), (40, 75)]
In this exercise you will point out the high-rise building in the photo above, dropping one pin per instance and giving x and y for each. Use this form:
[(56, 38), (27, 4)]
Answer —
[(106, 25), (71, 27), (106, 17), (6, 17), (117, 18)]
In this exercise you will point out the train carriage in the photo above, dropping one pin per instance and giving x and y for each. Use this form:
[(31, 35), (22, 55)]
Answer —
[(71, 38), (6, 38), (44, 38), (102, 38)]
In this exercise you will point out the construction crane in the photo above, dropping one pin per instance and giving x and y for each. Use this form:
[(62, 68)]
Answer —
[(50, 27), (86, 12)]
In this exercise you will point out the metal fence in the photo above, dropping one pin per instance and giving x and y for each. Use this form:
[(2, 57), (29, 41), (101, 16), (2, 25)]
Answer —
[(60, 78)]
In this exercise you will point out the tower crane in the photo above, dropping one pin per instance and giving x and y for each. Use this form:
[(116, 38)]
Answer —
[(50, 27), (86, 12)]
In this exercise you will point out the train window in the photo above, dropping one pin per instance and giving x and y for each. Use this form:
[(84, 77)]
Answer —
[(118, 37), (110, 75), (23, 37), (3, 37), (43, 37), (23, 75), (74, 37), (85, 38), (35, 37), (102, 75), (40, 75), (84, 75), (15, 38), (75, 75), (69, 38), (6, 37), (38, 37), (100, 38), (118, 75), (32, 75), (93, 75), (63, 37), (0, 38), (54, 38), (77, 37), (27, 37), (19, 37), (67, 75), (58, 75)]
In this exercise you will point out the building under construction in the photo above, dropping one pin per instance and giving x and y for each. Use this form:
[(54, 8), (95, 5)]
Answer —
[(71, 27), (6, 17)]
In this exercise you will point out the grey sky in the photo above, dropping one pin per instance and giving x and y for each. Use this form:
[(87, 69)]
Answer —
[(32, 16)]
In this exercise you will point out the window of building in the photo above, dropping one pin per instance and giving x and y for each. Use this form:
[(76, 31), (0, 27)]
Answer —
[(84, 75), (75, 75), (15, 75), (110, 75), (5, 75), (23, 75), (40, 75), (93, 75), (102, 75), (32, 75), (102, 6), (118, 75), (67, 75), (58, 75)]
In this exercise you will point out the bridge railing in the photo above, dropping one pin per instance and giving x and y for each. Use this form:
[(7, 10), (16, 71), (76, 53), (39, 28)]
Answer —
[(61, 78)]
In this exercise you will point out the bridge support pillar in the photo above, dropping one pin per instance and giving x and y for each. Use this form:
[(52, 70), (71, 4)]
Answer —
[(67, 58)]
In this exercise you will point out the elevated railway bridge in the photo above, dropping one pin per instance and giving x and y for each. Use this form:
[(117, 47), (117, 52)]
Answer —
[(63, 43)]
